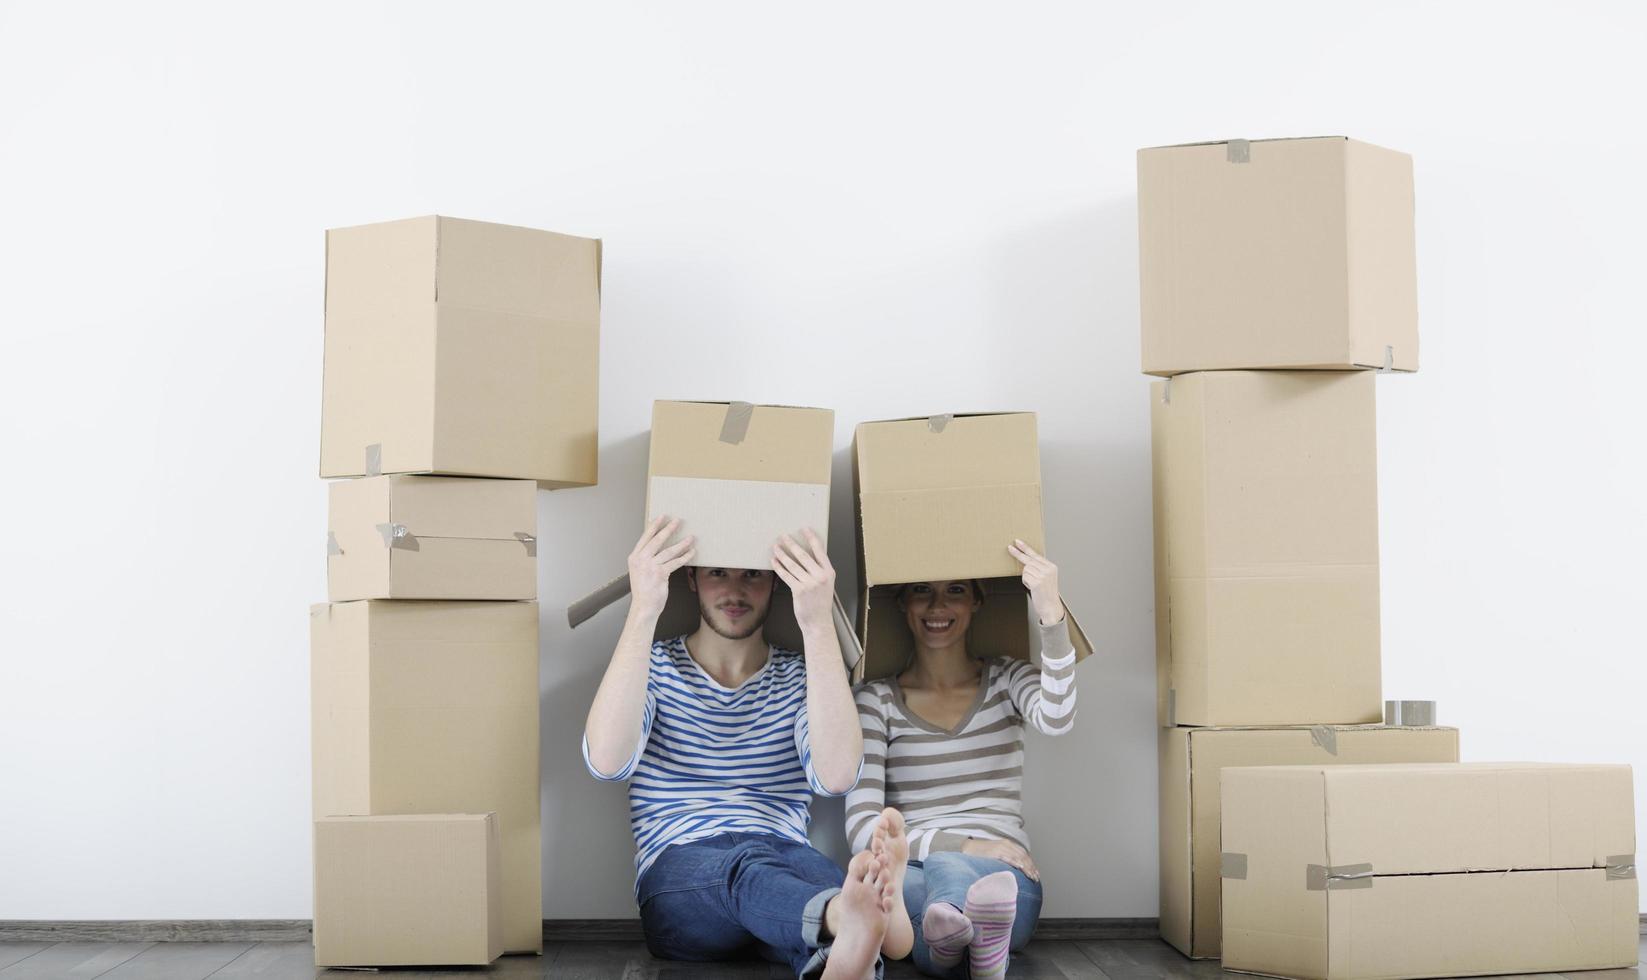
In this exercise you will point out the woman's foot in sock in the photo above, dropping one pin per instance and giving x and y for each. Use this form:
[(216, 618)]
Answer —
[(948, 933), (891, 845), (991, 905)]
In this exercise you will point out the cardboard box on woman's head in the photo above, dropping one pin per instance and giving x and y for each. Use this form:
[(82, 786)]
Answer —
[(940, 498), (739, 477)]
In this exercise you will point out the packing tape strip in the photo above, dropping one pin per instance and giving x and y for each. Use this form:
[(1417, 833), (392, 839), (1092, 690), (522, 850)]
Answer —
[(937, 423), (1238, 151), (579, 612), (1322, 877), (398, 536), (332, 547), (529, 541), (374, 459), (1325, 737), (1409, 714), (1166, 392), (1621, 867), (1232, 864), (736, 424), (1389, 360)]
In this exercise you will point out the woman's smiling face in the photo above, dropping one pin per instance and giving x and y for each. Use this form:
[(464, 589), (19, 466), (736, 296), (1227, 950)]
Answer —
[(938, 613)]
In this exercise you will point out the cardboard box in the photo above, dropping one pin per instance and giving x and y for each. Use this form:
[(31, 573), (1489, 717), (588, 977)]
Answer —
[(1192, 758), (939, 498), (432, 707), (432, 537), (407, 890), (461, 348), (1428, 870), (1290, 253), (1266, 548), (739, 477)]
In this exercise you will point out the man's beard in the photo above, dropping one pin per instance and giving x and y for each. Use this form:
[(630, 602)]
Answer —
[(736, 632)]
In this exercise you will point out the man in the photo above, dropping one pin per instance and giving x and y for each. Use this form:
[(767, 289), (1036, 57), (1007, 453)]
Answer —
[(724, 740)]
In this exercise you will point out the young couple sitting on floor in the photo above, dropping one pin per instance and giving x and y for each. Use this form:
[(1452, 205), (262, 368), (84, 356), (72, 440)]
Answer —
[(724, 740)]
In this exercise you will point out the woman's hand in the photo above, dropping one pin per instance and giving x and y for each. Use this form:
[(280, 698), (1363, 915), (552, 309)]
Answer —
[(1041, 579), (651, 564), (811, 580), (1005, 851)]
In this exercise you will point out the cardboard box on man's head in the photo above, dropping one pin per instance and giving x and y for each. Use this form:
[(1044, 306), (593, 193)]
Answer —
[(940, 498), (738, 476), (1281, 253), (461, 348)]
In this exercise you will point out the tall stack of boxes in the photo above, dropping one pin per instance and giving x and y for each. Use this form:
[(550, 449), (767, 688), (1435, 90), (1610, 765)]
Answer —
[(460, 376), (1299, 838)]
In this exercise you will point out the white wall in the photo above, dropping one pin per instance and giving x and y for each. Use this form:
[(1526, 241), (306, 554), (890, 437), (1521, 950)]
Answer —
[(883, 208)]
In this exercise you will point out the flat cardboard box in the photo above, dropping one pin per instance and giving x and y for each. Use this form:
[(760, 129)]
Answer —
[(432, 537), (938, 498), (1392, 871), (461, 348), (407, 890), (1266, 548), (1192, 758), (1286, 253), (738, 476), (432, 707)]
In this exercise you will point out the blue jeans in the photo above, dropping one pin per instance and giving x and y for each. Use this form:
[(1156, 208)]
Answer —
[(735, 894), (944, 877)]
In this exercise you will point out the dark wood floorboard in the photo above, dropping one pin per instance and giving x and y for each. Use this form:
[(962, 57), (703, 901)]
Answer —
[(1120, 959)]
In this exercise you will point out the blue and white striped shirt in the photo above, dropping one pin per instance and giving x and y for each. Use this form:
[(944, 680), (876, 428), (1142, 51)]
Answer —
[(714, 760)]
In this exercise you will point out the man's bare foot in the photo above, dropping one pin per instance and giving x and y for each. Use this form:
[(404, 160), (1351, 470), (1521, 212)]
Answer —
[(856, 918), (890, 844)]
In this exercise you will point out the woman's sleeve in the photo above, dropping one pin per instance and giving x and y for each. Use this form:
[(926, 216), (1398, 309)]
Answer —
[(866, 800), (1045, 698)]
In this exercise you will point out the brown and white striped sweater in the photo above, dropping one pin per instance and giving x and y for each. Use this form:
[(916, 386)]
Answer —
[(967, 782)]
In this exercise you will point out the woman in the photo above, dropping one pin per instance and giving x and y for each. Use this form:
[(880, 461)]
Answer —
[(943, 744)]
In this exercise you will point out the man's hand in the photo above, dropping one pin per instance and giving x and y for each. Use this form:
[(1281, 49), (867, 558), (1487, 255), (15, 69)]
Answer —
[(811, 580), (1004, 850), (1041, 579), (651, 564)]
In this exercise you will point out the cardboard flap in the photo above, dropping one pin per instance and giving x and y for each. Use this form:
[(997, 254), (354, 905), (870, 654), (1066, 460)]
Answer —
[(740, 441), (738, 522), (971, 451)]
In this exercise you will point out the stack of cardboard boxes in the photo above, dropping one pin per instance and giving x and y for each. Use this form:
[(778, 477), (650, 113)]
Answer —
[(1275, 276), (460, 376)]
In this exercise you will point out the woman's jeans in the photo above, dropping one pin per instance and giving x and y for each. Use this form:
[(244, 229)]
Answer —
[(732, 894), (944, 877)]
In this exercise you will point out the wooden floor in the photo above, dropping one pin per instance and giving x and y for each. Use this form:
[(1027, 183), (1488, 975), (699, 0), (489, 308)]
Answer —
[(1127, 959)]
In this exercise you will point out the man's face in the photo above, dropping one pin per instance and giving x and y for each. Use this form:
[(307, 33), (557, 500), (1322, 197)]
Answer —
[(734, 601)]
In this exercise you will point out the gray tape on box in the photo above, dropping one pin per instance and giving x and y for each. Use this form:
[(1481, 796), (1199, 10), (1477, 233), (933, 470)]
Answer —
[(1166, 392), (1232, 865), (1409, 714), (937, 423), (1621, 867), (332, 547), (374, 459), (1325, 737), (529, 541), (1389, 360), (1238, 151), (398, 536), (1324, 877), (736, 424)]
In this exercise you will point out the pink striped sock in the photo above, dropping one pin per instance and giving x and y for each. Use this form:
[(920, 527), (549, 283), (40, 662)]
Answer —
[(991, 905), (947, 933)]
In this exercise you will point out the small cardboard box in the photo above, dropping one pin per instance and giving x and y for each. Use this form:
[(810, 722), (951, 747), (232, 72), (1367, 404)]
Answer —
[(1266, 548), (1428, 870), (432, 707), (432, 537), (407, 890), (461, 348), (1192, 758), (941, 497), (1286, 253), (739, 477)]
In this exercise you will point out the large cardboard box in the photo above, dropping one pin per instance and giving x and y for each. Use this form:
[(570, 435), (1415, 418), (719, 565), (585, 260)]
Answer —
[(407, 889), (739, 477), (1266, 548), (1290, 253), (432, 537), (432, 707), (1192, 758), (938, 498), (1428, 870), (461, 348)]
